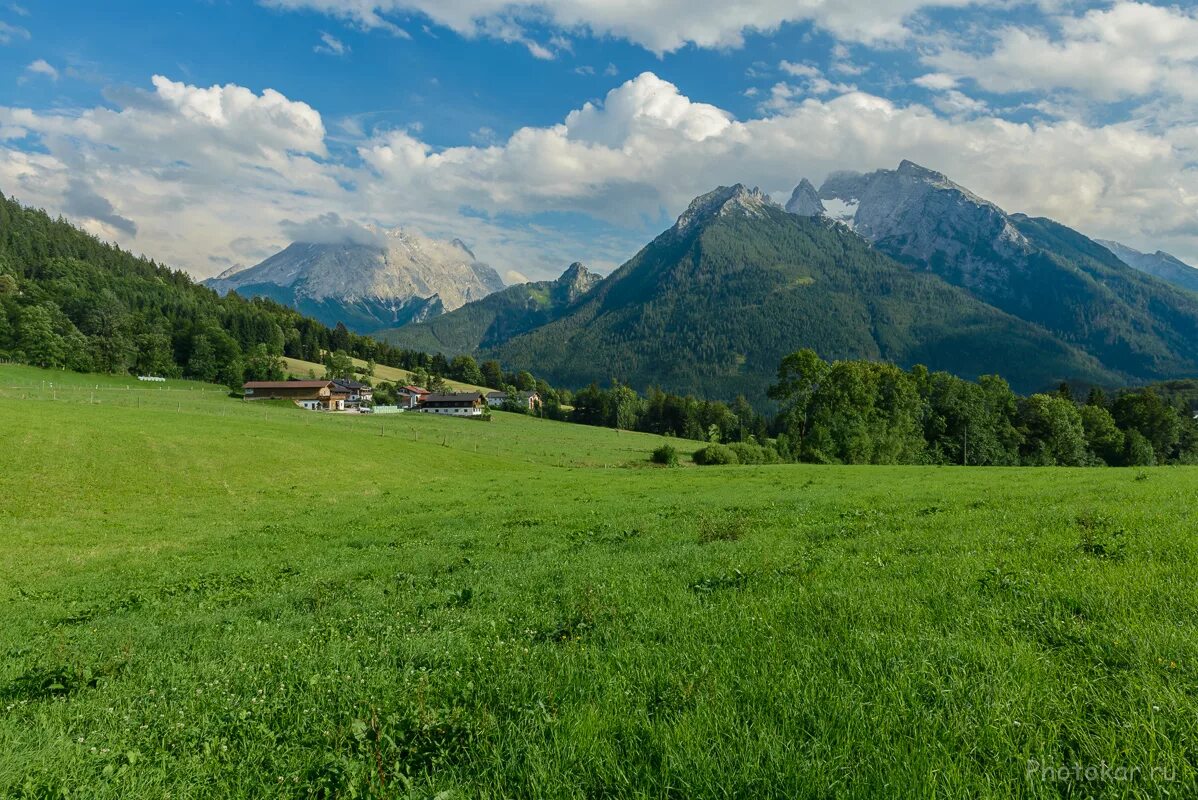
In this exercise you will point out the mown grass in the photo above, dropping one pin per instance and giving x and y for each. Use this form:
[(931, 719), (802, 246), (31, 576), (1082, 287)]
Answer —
[(209, 598), (302, 369)]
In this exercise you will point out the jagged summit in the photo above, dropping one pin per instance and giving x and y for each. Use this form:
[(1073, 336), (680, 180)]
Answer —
[(370, 280), (919, 214), (805, 202), (1160, 264), (576, 281), (723, 201)]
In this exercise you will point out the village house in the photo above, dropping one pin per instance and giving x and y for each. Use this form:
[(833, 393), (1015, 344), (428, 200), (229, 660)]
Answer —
[(464, 404), (312, 395), (529, 400), (410, 396), (352, 393)]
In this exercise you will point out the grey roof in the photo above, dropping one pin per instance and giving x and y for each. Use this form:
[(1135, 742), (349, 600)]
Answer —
[(460, 397)]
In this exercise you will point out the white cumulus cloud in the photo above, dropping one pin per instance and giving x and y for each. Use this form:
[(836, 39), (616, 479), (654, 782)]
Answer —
[(1123, 51), (224, 171), (661, 26)]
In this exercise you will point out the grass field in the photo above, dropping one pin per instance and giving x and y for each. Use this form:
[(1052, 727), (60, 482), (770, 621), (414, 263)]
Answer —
[(301, 369), (201, 597)]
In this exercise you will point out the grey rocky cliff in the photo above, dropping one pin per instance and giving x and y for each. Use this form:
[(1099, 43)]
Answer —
[(805, 202), (576, 281), (919, 216), (405, 275), (725, 200)]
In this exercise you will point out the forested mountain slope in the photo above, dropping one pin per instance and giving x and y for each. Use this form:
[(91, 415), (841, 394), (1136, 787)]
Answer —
[(712, 305), (497, 318), (70, 300)]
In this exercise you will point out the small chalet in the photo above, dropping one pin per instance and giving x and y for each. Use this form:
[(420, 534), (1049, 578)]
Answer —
[(465, 404), (410, 396), (529, 400), (312, 395), (351, 393)]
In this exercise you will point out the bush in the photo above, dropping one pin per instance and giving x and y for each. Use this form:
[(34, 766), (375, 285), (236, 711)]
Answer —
[(749, 453), (715, 454), (665, 455)]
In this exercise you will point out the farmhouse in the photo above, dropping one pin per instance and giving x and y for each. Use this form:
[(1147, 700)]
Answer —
[(465, 404), (529, 400), (410, 396), (352, 393), (312, 395)]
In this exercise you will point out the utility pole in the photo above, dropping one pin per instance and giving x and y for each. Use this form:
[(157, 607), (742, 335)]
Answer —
[(966, 444)]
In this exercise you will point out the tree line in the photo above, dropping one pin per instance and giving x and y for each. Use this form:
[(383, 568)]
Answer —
[(866, 412), (69, 301)]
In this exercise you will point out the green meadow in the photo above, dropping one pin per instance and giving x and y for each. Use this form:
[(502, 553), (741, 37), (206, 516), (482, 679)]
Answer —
[(201, 597)]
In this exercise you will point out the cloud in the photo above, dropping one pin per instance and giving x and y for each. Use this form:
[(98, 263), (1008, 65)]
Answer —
[(43, 68), (812, 83), (799, 70), (81, 201), (331, 45), (936, 82), (10, 33), (661, 26), (330, 228), (1128, 50), (225, 171), (512, 277)]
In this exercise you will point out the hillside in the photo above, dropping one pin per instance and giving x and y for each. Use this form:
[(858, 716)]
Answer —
[(1133, 324), (497, 318), (232, 599), (712, 306), (1161, 264), (369, 280), (298, 368), (68, 300)]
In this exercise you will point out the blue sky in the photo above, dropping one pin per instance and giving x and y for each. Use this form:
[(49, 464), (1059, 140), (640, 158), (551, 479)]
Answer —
[(198, 131)]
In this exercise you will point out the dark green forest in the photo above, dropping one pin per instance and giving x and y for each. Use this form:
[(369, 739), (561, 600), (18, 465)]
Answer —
[(712, 310), (68, 300)]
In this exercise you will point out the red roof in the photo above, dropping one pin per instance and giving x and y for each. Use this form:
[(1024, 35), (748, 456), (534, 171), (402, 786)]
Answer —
[(415, 390), (287, 384)]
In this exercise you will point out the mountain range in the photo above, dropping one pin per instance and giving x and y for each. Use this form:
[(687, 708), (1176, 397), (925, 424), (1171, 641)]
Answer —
[(386, 279), (902, 265), (1161, 264), (499, 317)]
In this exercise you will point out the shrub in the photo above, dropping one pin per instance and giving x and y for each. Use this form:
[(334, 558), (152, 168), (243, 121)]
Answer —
[(665, 455), (750, 453), (715, 454)]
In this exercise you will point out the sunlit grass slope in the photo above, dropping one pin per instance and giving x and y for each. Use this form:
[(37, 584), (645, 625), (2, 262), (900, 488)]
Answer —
[(211, 598), (301, 369)]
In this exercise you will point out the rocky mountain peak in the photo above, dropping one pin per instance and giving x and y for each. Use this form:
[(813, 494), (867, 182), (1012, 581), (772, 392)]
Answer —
[(918, 215), (805, 202), (1161, 264), (371, 281), (910, 169), (577, 281), (724, 201)]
